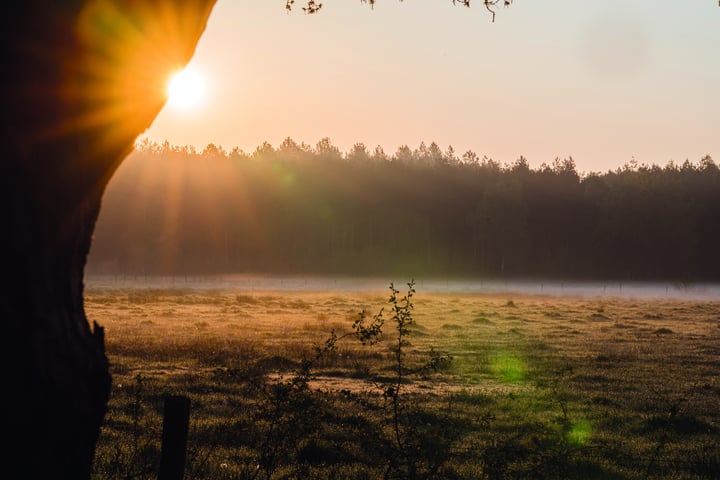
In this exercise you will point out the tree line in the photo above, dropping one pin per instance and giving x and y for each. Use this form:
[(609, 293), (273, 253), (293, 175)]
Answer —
[(425, 211)]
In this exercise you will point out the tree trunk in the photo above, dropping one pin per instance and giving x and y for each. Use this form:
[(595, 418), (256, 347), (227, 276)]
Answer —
[(80, 81)]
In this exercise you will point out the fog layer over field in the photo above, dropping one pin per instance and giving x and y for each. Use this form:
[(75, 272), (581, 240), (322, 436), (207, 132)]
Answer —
[(307, 283)]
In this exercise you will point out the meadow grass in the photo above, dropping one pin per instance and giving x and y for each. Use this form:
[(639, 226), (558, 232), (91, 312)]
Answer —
[(528, 386)]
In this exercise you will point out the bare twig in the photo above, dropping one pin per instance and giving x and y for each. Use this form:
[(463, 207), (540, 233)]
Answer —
[(312, 6)]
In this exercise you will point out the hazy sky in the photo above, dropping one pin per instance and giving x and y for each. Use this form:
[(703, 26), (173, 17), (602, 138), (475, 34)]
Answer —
[(601, 81)]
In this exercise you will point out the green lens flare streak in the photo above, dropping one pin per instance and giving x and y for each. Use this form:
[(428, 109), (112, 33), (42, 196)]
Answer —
[(579, 433), (508, 368)]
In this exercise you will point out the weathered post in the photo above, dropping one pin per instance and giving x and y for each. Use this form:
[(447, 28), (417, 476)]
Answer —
[(174, 437)]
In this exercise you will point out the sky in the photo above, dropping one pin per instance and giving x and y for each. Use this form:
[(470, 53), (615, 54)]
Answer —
[(605, 82)]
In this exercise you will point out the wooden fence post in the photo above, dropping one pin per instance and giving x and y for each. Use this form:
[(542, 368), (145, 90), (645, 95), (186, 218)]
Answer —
[(176, 421)]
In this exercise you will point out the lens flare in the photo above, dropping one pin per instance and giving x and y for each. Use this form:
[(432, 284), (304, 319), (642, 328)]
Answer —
[(508, 368), (579, 433)]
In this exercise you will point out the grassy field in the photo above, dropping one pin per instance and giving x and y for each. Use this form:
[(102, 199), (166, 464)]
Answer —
[(485, 386)]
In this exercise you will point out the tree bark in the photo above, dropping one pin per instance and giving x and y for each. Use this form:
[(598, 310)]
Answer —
[(80, 81)]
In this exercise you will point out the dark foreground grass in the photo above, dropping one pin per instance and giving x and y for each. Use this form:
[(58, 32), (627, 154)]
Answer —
[(489, 387)]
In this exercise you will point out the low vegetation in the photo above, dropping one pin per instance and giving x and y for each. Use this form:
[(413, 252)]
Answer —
[(466, 386)]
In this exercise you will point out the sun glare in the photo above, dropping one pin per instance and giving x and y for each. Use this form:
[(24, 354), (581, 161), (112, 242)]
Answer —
[(186, 89)]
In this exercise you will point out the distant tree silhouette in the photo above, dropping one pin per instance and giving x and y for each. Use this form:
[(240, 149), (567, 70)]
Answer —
[(319, 211)]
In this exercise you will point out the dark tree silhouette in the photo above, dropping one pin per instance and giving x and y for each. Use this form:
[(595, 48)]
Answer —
[(299, 209), (80, 80)]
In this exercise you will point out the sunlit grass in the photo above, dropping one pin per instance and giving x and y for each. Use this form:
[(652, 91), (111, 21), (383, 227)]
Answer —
[(625, 388)]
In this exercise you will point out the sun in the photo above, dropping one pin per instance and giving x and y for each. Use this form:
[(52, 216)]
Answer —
[(186, 89)]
